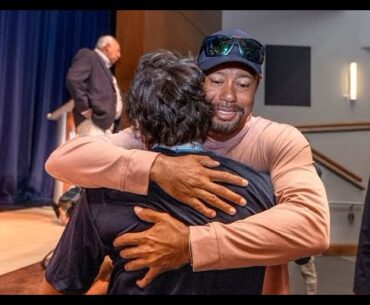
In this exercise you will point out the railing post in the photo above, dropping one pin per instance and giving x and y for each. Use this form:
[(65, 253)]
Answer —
[(60, 116)]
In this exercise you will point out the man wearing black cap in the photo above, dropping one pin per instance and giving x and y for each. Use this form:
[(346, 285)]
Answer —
[(297, 226)]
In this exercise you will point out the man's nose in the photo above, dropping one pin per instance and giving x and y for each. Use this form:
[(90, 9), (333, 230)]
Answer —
[(228, 93)]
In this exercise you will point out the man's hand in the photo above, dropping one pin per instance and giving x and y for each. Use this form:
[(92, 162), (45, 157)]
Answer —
[(163, 247), (189, 180)]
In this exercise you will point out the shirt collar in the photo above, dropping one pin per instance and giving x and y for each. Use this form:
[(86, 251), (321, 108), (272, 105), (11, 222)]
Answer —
[(107, 63), (188, 147)]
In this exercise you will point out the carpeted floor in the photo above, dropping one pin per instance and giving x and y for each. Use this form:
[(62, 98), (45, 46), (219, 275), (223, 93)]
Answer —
[(24, 281)]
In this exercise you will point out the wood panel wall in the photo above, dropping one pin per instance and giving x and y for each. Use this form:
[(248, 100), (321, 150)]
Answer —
[(142, 31)]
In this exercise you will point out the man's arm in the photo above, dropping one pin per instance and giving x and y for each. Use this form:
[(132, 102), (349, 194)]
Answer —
[(297, 226), (76, 80), (97, 162), (113, 162)]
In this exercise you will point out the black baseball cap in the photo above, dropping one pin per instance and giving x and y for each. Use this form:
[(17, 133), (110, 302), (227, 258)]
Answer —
[(215, 50)]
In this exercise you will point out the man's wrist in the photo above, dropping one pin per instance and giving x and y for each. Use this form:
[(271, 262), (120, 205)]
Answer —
[(187, 248)]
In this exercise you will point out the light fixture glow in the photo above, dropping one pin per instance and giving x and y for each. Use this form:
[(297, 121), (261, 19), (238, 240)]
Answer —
[(353, 81)]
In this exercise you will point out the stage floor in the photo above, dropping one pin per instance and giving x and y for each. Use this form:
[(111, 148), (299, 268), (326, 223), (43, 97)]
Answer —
[(26, 236)]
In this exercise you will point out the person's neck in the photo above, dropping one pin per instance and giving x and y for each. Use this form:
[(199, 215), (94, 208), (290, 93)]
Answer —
[(105, 58)]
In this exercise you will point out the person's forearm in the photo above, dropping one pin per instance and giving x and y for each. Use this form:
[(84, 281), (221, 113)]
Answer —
[(255, 241), (97, 162), (297, 227)]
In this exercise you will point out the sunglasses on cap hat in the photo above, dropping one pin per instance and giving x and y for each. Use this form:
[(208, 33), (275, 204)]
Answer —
[(221, 45)]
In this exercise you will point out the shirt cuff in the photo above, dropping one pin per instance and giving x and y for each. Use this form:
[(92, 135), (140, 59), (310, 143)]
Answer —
[(204, 249), (136, 176)]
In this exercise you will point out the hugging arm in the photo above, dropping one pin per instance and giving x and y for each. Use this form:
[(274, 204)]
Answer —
[(118, 162), (297, 226)]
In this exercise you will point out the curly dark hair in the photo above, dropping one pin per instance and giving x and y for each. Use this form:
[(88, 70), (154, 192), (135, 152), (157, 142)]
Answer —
[(166, 102)]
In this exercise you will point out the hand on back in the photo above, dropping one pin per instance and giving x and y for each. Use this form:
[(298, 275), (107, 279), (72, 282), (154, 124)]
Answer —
[(191, 180)]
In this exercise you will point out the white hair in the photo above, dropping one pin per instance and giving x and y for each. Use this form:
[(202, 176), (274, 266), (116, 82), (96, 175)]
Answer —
[(103, 41)]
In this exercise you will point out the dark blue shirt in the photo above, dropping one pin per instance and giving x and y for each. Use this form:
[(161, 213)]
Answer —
[(103, 214)]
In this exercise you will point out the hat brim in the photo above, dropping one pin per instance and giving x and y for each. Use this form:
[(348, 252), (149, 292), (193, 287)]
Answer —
[(211, 62)]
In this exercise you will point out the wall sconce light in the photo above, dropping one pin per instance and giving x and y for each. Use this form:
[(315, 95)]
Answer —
[(353, 81)]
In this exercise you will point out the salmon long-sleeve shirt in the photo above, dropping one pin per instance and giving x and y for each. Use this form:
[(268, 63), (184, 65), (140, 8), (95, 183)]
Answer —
[(297, 226)]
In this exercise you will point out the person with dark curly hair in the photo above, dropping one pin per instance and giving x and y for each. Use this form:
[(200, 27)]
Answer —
[(169, 114)]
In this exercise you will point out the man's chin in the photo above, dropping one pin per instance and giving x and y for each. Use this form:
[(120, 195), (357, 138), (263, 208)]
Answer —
[(224, 127)]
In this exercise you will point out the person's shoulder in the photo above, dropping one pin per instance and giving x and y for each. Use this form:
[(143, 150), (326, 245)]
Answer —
[(85, 52), (276, 128), (227, 163), (278, 132), (128, 138), (270, 124)]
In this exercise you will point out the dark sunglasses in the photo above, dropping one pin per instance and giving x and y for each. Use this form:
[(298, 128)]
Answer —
[(221, 45)]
